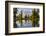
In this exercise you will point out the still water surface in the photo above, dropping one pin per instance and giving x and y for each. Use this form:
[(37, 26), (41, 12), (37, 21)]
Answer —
[(24, 24)]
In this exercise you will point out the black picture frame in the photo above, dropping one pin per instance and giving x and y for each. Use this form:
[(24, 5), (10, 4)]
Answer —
[(6, 18)]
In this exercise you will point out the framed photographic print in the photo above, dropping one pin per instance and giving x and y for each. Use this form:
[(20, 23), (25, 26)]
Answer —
[(24, 17)]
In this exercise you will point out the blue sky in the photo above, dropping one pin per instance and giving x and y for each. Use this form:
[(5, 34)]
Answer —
[(25, 10)]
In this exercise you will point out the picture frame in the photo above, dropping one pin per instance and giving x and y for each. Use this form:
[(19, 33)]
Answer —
[(11, 6)]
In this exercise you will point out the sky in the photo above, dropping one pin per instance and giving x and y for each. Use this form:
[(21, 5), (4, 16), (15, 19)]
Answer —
[(25, 11)]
